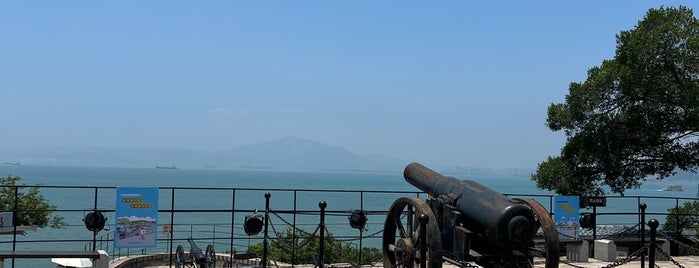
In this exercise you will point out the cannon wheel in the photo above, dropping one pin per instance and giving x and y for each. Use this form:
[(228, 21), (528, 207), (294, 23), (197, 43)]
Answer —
[(550, 250), (179, 257), (402, 223), (210, 256)]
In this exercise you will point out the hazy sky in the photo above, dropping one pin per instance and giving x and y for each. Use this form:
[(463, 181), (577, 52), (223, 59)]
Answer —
[(441, 82)]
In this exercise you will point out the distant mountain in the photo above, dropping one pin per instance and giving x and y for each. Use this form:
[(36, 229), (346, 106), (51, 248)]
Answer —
[(288, 153), (292, 153)]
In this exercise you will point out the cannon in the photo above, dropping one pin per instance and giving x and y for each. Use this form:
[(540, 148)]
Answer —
[(466, 222), (199, 258)]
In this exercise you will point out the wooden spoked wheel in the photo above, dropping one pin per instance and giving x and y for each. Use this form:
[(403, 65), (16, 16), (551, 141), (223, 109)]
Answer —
[(210, 256), (179, 257), (401, 235), (549, 249)]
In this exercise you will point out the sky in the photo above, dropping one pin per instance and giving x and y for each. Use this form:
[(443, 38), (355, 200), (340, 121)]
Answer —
[(439, 82)]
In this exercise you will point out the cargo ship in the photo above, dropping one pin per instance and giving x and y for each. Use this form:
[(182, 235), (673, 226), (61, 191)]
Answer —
[(166, 167), (673, 187)]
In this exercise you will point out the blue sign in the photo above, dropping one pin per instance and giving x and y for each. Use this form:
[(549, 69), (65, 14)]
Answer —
[(136, 214), (566, 216)]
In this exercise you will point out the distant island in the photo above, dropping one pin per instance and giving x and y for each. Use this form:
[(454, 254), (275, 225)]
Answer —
[(288, 153)]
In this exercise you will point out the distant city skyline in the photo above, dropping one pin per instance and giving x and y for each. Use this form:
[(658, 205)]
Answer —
[(446, 83)]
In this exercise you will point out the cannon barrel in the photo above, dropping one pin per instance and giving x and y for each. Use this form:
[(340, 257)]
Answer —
[(501, 221), (196, 252)]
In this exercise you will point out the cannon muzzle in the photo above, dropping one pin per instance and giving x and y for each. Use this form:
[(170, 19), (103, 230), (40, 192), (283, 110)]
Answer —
[(196, 252), (501, 221)]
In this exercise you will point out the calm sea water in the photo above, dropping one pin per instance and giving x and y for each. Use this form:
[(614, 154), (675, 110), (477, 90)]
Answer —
[(248, 197)]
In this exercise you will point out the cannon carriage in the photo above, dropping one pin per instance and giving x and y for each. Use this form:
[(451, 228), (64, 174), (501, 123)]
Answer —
[(197, 257), (466, 222)]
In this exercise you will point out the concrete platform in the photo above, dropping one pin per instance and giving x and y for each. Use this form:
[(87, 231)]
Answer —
[(686, 261)]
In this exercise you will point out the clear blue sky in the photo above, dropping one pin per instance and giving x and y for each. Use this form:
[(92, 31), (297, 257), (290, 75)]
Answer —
[(445, 82)]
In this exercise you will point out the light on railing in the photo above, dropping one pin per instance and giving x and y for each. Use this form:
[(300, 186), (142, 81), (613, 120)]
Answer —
[(253, 224), (94, 221)]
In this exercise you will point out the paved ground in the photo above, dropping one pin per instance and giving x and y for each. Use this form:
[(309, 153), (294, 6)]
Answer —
[(684, 261)]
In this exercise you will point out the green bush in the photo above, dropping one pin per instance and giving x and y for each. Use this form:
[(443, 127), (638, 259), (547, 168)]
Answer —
[(684, 220), (306, 248)]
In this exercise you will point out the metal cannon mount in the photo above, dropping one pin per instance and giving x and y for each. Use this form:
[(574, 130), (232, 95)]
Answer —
[(466, 222)]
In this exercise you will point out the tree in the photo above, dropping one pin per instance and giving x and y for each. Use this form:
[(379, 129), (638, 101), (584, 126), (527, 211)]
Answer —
[(33, 208), (636, 116), (306, 247), (685, 217), (684, 220)]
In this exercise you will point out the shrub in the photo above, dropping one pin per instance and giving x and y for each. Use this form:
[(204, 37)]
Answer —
[(306, 248)]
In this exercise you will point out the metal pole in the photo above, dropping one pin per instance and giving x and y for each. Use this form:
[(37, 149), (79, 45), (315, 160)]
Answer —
[(293, 234), (653, 224), (361, 230), (677, 215), (594, 231), (264, 242), (423, 219), (14, 223), (321, 244), (172, 221), (642, 227), (232, 223), (94, 233)]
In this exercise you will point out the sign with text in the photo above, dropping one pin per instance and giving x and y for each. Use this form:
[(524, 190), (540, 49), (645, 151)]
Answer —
[(566, 216), (136, 214), (594, 201)]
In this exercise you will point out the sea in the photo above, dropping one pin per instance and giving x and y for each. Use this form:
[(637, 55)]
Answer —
[(190, 191)]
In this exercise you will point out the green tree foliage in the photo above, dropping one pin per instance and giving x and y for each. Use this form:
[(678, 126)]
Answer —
[(684, 220), (307, 247), (635, 116), (33, 208)]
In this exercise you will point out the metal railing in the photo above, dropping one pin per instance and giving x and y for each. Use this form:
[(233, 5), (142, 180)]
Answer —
[(215, 216)]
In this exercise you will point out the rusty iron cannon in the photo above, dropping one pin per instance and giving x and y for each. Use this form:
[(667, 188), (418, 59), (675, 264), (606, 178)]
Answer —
[(466, 222)]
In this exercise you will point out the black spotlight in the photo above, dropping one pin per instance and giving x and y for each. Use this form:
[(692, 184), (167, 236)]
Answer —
[(253, 224), (357, 219), (587, 220), (94, 221)]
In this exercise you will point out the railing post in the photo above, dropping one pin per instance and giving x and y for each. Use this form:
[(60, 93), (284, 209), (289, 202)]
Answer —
[(321, 244), (94, 233), (264, 241), (423, 219), (642, 226), (232, 224), (15, 223), (293, 234), (361, 230), (172, 224), (653, 224), (677, 215)]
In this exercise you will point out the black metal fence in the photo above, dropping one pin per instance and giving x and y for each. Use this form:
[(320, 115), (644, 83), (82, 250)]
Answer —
[(215, 216)]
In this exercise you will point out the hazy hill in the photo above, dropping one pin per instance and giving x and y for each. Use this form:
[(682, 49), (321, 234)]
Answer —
[(292, 153), (285, 154)]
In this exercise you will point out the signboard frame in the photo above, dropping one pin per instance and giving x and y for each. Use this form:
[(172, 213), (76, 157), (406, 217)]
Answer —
[(136, 217)]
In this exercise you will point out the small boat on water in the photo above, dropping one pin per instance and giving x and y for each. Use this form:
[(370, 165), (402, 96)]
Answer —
[(166, 167), (673, 187), (11, 164)]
